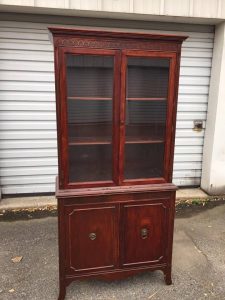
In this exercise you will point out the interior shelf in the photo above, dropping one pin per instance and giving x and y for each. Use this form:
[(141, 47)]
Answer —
[(146, 99), (146, 140), (90, 141), (128, 98), (89, 98), (104, 141)]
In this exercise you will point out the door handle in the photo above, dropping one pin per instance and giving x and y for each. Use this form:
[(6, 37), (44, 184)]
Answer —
[(144, 233), (92, 236)]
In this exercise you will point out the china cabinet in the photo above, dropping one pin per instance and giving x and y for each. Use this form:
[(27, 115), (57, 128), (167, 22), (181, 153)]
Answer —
[(116, 98)]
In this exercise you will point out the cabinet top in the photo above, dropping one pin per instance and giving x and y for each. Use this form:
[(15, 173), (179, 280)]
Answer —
[(101, 191), (67, 32)]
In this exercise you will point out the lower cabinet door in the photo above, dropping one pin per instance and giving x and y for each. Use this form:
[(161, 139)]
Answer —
[(144, 233), (91, 238)]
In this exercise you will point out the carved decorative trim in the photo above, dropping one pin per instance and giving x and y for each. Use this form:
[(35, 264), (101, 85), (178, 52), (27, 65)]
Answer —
[(160, 204), (83, 42), (75, 210)]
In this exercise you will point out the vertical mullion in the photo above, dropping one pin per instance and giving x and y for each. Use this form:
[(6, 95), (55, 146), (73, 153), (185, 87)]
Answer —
[(176, 67), (169, 119), (64, 120), (116, 117), (122, 116)]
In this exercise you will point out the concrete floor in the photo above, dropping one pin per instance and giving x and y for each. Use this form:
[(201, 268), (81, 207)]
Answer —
[(198, 263)]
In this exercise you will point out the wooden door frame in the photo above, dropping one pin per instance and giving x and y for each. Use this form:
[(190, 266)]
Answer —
[(171, 111), (63, 116)]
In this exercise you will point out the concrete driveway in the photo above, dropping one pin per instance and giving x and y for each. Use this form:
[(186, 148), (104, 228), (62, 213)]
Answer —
[(198, 263)]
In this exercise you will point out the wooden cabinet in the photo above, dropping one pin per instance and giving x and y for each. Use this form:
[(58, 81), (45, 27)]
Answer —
[(116, 103)]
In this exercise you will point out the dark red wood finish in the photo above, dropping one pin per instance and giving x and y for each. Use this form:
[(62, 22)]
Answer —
[(94, 42), (117, 215), (113, 229), (144, 228), (93, 228)]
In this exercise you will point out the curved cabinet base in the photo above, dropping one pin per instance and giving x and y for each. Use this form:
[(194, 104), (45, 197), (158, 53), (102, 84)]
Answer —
[(115, 275)]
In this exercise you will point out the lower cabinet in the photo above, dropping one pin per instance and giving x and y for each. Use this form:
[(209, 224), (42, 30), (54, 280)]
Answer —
[(115, 235), (100, 237)]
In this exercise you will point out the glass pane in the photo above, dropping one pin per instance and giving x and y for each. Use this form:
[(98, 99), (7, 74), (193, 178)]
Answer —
[(146, 107), (144, 160), (90, 163), (89, 108)]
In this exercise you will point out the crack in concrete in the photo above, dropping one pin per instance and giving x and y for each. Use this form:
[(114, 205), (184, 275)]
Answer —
[(197, 247)]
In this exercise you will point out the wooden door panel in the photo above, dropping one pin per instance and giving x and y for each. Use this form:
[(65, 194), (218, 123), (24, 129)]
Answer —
[(91, 238), (144, 233)]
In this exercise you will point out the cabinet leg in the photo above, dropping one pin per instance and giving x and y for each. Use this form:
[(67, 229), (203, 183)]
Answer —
[(167, 276), (62, 291)]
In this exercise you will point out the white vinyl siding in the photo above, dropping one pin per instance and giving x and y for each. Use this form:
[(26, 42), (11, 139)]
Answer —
[(28, 147)]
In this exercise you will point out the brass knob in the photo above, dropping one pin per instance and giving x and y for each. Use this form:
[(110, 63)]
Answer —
[(92, 236), (144, 233)]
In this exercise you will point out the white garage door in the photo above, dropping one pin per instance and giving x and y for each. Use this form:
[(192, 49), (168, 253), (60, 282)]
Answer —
[(28, 153)]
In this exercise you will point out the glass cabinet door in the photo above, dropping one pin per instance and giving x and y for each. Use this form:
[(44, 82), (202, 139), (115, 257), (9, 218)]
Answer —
[(89, 81), (146, 96)]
